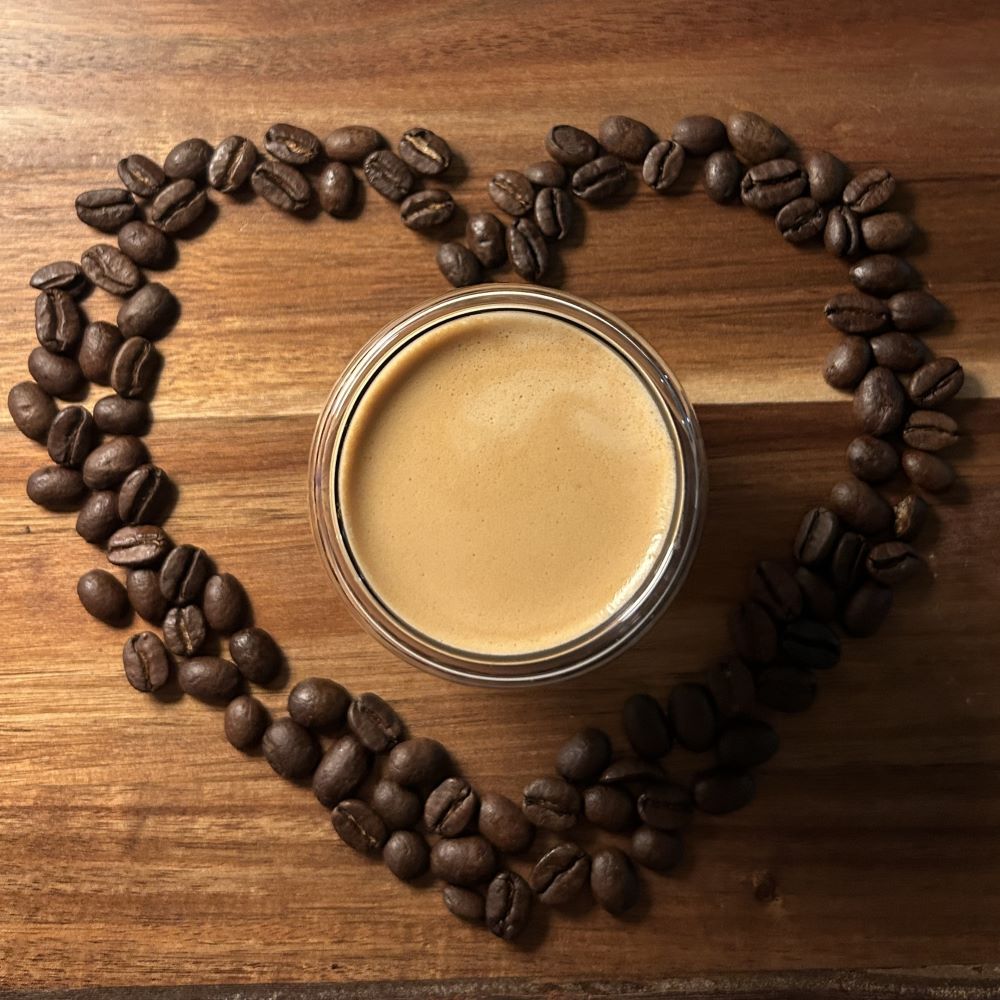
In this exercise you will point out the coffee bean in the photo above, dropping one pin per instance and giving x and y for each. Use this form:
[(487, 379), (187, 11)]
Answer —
[(57, 321), (722, 176), (632, 772), (769, 185), (553, 212), (343, 767), (665, 806), (424, 152), (98, 517), (658, 850), (466, 904), (526, 249), (511, 192), (934, 383), (32, 410), (860, 507), (143, 586), (882, 274), (930, 430), (560, 873), (358, 826), (700, 135), (224, 603), (754, 138), (458, 264), (662, 165), (855, 312), (508, 905), (818, 598), (141, 175), (842, 233), (927, 471), (144, 495), (584, 755), (847, 565), (352, 143), (872, 459), (546, 173), (485, 235), (451, 807), (879, 402), (210, 679), (149, 313), (375, 722), (426, 209), (810, 644), (801, 220), (184, 573), (281, 185), (609, 808), (291, 144), (184, 630), (134, 367), (406, 855), (106, 209), (910, 515), (503, 824), (108, 464), (290, 749), (867, 609), (245, 722), (146, 662), (731, 685), (418, 762), (827, 175), (71, 437), (399, 807), (692, 716), (887, 231), (255, 654), (232, 163), (600, 179), (899, 352), (753, 633), (570, 146), (463, 860), (145, 244), (335, 189), (915, 310), (103, 596), (108, 268), (774, 588), (723, 790), (746, 743), (551, 803), (817, 536), (188, 159), (318, 703), (893, 562), (786, 689), (645, 726), (870, 190), (101, 342), (613, 881), (847, 362), (625, 137), (388, 174), (64, 275), (118, 415), (178, 206)]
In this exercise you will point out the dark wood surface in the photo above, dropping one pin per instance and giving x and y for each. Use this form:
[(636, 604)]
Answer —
[(140, 850)]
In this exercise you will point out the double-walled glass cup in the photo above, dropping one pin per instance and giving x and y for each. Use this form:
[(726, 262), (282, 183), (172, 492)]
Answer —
[(626, 623)]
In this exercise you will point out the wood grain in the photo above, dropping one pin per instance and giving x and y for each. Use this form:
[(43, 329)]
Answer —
[(138, 849)]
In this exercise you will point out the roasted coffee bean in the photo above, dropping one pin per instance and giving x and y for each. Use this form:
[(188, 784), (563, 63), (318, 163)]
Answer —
[(553, 212), (144, 496), (692, 716), (599, 179), (662, 165), (281, 185), (801, 220), (388, 174), (146, 662), (466, 904), (753, 633), (872, 459), (375, 722), (613, 881), (463, 860), (722, 176), (290, 749), (645, 726), (882, 274), (774, 588), (32, 410), (208, 678), (418, 762), (184, 574), (754, 138), (934, 383), (930, 430), (847, 565), (570, 146), (358, 826), (451, 808), (503, 824), (143, 586), (625, 137), (817, 536), (665, 806), (658, 850), (71, 437), (786, 689), (560, 873), (178, 206), (927, 471), (108, 268), (526, 249), (245, 722), (134, 367), (184, 630), (232, 163), (810, 644), (101, 342), (723, 790), (915, 310), (399, 807), (426, 209), (145, 244), (546, 173), (188, 159), (224, 603), (335, 189), (118, 415), (842, 233), (551, 803), (108, 464), (511, 192), (64, 275), (879, 402), (291, 144), (103, 596), (609, 808), (818, 598), (827, 175), (458, 264), (870, 190), (141, 175), (106, 209), (867, 609), (149, 313), (57, 321), (485, 235), (343, 767), (352, 143), (700, 135), (508, 905), (584, 755), (424, 152), (746, 743), (847, 363), (855, 312), (55, 487), (860, 507), (910, 515), (406, 855), (318, 703), (256, 654), (731, 685), (899, 352), (769, 185), (632, 772), (887, 231), (893, 562)]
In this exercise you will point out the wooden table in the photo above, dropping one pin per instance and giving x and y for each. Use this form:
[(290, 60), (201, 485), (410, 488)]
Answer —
[(139, 849)]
